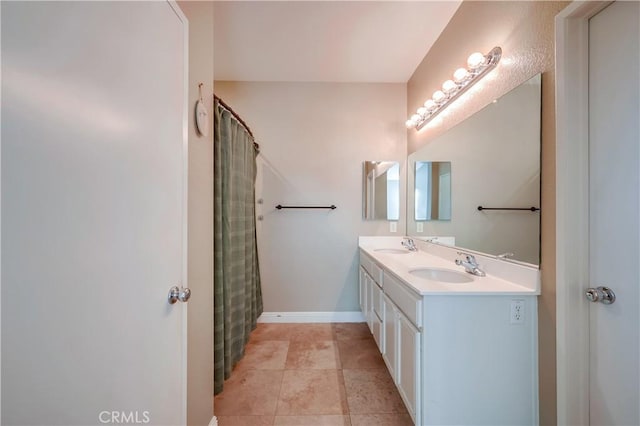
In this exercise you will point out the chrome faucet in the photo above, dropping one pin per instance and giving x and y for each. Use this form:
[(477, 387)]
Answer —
[(470, 264), (409, 244)]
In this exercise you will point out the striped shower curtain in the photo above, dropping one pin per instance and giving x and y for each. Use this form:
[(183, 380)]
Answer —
[(237, 293)]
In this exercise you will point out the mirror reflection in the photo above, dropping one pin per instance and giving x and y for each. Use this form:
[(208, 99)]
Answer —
[(381, 190), (496, 156), (432, 190)]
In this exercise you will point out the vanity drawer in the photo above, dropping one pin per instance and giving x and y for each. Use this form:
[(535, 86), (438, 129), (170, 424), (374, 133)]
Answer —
[(408, 302), (376, 273), (371, 267), (366, 262), (376, 330)]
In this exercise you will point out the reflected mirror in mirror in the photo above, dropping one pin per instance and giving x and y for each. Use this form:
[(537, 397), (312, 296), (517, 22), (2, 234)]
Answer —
[(432, 190), (496, 157), (381, 190)]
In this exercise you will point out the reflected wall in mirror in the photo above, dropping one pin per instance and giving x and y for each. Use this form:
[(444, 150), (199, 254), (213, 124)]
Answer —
[(432, 190), (381, 190), (496, 156)]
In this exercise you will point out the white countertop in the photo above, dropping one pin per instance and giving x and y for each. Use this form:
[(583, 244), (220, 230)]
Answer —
[(400, 265)]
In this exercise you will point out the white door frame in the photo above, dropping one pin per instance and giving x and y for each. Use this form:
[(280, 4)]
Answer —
[(572, 210), (185, 197)]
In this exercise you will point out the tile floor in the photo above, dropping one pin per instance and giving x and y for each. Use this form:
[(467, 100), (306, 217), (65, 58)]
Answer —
[(311, 374)]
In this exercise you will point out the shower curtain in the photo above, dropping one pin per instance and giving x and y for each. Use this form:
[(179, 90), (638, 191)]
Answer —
[(237, 293)]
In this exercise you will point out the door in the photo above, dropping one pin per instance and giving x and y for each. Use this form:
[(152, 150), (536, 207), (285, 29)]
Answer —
[(390, 340), (370, 313), (408, 374), (93, 212), (364, 283), (614, 201), (377, 314)]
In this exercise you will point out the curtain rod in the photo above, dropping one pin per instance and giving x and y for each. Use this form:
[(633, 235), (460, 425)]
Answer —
[(237, 117)]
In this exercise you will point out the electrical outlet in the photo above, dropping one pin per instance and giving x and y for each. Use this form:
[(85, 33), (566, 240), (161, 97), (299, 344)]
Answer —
[(393, 226), (517, 311), (420, 227)]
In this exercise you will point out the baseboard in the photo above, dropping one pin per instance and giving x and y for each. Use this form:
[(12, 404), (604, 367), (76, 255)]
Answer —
[(214, 421), (301, 317)]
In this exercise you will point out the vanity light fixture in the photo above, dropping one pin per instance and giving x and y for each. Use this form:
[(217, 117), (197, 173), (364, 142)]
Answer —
[(478, 65)]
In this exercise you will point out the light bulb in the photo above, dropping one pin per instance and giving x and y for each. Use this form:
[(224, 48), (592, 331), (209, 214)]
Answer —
[(416, 118), (409, 123), (439, 96), (430, 105), (449, 86), (460, 75), (475, 60), (422, 111)]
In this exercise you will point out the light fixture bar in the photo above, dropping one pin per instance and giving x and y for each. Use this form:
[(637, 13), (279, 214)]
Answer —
[(478, 64)]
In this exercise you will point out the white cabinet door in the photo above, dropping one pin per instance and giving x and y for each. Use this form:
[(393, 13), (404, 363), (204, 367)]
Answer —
[(363, 292), (370, 313), (408, 372), (366, 297), (93, 212), (376, 313), (390, 345), (377, 330)]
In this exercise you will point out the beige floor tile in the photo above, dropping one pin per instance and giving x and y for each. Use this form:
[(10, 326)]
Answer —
[(249, 392), (315, 420), (307, 392), (245, 420), (351, 331), (264, 355), (360, 354), (312, 390), (372, 391), (318, 355), (311, 332), (271, 331), (381, 420)]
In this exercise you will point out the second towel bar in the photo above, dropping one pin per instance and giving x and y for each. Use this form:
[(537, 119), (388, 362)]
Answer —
[(533, 209), (280, 207)]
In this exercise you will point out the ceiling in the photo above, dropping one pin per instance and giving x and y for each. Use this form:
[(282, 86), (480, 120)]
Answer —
[(328, 41)]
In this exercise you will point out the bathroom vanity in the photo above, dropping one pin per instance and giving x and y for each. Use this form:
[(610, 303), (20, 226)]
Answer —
[(462, 349)]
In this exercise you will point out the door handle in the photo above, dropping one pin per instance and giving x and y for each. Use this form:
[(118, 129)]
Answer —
[(601, 294), (176, 293)]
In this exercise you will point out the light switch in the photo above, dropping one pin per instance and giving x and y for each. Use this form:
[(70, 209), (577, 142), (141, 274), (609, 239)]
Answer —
[(393, 226), (420, 226)]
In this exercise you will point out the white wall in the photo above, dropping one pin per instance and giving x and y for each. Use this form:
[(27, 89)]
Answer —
[(200, 221), (525, 31), (313, 139)]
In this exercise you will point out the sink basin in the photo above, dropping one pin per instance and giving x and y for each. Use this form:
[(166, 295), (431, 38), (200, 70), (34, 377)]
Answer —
[(392, 250), (442, 275)]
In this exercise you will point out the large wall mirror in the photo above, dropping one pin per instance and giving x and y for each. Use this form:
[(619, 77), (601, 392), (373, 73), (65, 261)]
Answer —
[(493, 162), (381, 190)]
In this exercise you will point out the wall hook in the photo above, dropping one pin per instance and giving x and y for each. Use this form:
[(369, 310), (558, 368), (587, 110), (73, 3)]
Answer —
[(202, 115), (200, 91)]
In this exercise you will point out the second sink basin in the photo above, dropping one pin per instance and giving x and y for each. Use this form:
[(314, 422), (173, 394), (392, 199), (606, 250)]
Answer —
[(392, 251), (442, 275)]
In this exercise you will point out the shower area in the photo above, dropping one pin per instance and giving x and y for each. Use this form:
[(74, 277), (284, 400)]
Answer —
[(237, 290)]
